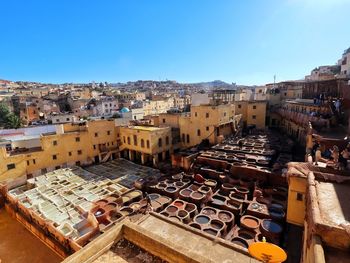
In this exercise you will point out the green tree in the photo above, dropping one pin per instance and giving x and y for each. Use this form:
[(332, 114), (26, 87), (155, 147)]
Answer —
[(9, 120)]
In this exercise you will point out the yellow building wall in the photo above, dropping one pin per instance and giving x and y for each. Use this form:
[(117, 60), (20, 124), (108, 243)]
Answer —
[(206, 124), (33, 162), (247, 110), (296, 208), (152, 135)]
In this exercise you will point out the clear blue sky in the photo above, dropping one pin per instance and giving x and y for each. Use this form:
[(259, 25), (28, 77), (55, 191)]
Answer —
[(243, 41)]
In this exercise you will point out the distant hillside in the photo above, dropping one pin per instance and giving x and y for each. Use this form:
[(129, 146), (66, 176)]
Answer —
[(216, 84)]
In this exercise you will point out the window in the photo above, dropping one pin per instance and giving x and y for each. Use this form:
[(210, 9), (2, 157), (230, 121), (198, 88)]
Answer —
[(96, 134), (167, 140), (254, 107), (128, 140), (135, 140), (34, 162), (43, 171), (224, 114), (148, 145), (77, 139), (239, 106), (54, 157), (163, 120), (124, 139), (94, 146), (299, 196), (207, 128), (107, 143), (77, 163), (195, 114), (80, 152), (142, 143), (188, 138), (183, 137), (199, 132), (254, 117), (70, 153), (108, 132), (67, 119), (207, 115), (57, 167), (57, 120), (54, 143), (106, 105), (27, 162), (160, 143)]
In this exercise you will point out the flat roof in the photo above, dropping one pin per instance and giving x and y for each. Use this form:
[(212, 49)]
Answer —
[(145, 128)]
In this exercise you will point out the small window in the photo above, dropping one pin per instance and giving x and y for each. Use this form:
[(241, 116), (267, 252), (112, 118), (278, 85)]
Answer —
[(129, 140), (124, 139), (163, 120), (108, 132), (54, 143), (70, 153), (167, 140), (254, 117), (77, 139), (80, 152), (300, 197), (207, 115), (57, 167), (57, 120), (148, 144), (135, 140), (254, 107), (142, 143), (160, 143), (199, 132), (94, 146), (188, 138), (195, 114), (34, 162), (224, 114), (54, 157), (96, 134), (183, 137), (77, 163), (43, 171), (207, 128), (239, 106), (27, 162), (67, 119)]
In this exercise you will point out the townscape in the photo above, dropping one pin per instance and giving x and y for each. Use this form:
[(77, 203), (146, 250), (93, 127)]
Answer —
[(161, 171)]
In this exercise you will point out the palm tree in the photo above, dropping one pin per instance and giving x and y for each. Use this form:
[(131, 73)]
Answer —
[(13, 122)]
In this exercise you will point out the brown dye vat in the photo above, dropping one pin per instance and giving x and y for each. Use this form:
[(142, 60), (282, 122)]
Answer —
[(240, 242), (250, 222), (170, 189), (110, 206), (114, 216), (182, 213), (202, 219), (125, 211), (237, 196), (178, 203), (172, 209), (246, 234), (185, 193), (156, 206), (242, 190), (161, 185), (225, 216), (204, 189), (209, 211), (179, 184), (211, 231), (217, 224), (164, 200), (226, 188), (210, 183)]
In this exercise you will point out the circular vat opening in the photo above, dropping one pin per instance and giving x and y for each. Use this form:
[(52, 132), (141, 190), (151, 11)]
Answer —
[(217, 224), (161, 185), (246, 234), (249, 222), (171, 189), (99, 212), (195, 225), (197, 195), (225, 216), (182, 213), (240, 242), (190, 207), (209, 211), (218, 200), (202, 219), (186, 192), (271, 226), (172, 209), (179, 203), (179, 184)]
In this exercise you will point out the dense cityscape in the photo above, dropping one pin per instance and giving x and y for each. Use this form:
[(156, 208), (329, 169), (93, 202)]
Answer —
[(161, 171)]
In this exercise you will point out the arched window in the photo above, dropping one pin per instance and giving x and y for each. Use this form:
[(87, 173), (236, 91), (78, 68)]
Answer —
[(167, 140), (183, 137), (142, 143), (160, 143), (148, 145)]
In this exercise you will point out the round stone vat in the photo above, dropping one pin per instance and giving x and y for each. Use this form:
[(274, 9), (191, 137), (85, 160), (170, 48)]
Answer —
[(250, 222)]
